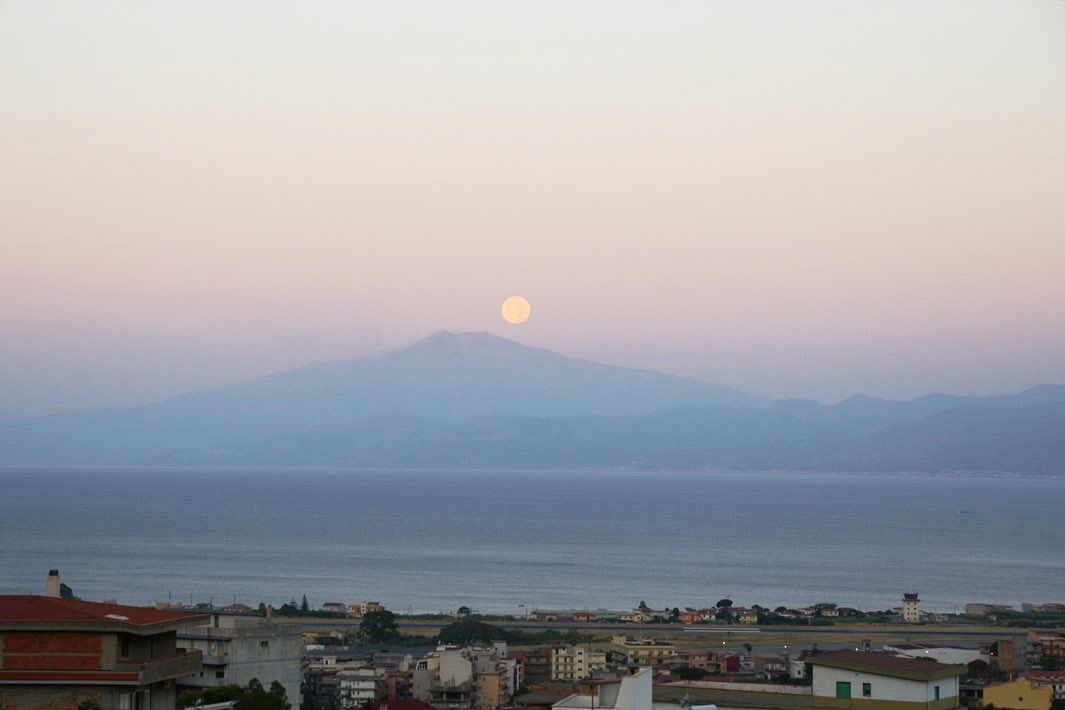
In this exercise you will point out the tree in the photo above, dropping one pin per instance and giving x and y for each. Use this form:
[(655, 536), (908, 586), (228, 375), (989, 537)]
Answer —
[(689, 673), (304, 606), (471, 631), (748, 649), (262, 608), (464, 611), (724, 603), (256, 697), (674, 615), (643, 606), (978, 668), (379, 626)]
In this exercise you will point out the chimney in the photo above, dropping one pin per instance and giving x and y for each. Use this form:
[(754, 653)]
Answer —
[(51, 585)]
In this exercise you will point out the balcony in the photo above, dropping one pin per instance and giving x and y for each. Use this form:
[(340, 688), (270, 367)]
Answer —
[(176, 665)]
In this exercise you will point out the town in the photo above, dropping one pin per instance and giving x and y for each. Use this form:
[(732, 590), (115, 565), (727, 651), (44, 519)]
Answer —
[(59, 651)]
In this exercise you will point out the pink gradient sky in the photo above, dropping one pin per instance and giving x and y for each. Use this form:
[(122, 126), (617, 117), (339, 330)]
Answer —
[(798, 199)]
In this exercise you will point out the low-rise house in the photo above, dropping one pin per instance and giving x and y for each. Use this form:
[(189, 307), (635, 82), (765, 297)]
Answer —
[(855, 679), (943, 653), (360, 609), (695, 659), (749, 616), (61, 652), (986, 609), (335, 608), (1019, 694)]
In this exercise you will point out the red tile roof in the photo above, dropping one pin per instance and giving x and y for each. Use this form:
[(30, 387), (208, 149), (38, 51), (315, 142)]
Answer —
[(69, 676), (34, 609)]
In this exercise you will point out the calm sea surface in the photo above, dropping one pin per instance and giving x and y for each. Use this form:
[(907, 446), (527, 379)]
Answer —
[(497, 540)]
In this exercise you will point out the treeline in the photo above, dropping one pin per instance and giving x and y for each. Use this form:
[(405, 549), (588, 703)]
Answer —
[(469, 631)]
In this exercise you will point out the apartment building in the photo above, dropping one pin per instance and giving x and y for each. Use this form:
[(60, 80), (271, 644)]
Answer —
[(642, 651), (572, 663), (60, 652), (239, 647)]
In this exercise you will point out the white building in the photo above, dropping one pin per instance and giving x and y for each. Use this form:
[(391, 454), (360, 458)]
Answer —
[(911, 608), (634, 692), (943, 653), (359, 687), (874, 678)]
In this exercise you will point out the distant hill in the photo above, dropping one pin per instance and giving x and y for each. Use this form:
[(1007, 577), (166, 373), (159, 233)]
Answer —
[(476, 400), (446, 377)]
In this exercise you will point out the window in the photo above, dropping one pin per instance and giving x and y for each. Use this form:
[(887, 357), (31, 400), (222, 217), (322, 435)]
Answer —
[(867, 690), (843, 690), (125, 646), (264, 644), (937, 692), (219, 674)]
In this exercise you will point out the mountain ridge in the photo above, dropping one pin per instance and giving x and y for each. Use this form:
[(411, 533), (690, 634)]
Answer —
[(480, 399)]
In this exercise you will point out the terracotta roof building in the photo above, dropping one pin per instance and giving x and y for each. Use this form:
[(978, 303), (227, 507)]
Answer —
[(60, 652)]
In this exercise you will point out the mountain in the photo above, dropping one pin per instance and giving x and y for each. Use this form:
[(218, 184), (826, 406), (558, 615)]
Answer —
[(476, 400), (446, 377)]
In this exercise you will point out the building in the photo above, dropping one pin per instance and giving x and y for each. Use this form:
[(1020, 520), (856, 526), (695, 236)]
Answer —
[(237, 648), (360, 609), (1055, 680), (1045, 642), (856, 679), (985, 609), (570, 663), (633, 692), (59, 652), (943, 653), (359, 687), (335, 608), (642, 651), (1019, 694), (911, 608)]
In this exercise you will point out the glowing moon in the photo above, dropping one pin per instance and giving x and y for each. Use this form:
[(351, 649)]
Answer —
[(516, 310)]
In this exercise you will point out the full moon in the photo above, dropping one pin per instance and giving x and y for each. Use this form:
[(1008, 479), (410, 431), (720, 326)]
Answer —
[(516, 310)]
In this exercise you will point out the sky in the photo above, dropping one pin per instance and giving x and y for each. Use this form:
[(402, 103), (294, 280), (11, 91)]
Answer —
[(797, 199)]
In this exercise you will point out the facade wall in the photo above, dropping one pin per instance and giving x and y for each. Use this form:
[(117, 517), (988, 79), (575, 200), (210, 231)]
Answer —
[(883, 688), (162, 696), (1019, 694)]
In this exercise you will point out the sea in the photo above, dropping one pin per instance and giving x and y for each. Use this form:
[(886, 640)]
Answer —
[(511, 542)]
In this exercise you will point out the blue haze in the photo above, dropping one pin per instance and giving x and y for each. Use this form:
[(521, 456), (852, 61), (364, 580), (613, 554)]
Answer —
[(495, 540)]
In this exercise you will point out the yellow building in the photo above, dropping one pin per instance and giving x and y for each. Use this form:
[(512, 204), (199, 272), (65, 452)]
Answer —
[(570, 663), (643, 651), (1020, 694)]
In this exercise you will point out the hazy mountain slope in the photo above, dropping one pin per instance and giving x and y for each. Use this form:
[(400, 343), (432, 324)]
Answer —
[(445, 377), (995, 438), (731, 436)]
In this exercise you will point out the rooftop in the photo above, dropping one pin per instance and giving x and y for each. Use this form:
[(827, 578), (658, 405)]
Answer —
[(30, 609), (886, 664)]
